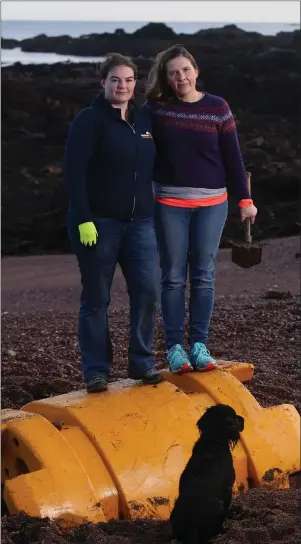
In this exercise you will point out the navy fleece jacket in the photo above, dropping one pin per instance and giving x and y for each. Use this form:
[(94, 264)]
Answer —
[(109, 163)]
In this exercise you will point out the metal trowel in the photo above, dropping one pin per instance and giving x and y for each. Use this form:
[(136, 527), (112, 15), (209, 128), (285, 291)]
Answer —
[(246, 255)]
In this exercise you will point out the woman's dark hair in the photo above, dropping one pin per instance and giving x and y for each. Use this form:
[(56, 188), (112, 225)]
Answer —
[(113, 60), (157, 85)]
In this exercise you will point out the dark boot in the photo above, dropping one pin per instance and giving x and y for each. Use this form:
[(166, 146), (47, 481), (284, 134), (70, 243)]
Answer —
[(97, 384)]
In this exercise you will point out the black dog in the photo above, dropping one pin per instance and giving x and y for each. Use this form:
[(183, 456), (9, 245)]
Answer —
[(205, 489)]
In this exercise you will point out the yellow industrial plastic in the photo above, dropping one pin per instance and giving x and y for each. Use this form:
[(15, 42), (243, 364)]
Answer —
[(119, 454)]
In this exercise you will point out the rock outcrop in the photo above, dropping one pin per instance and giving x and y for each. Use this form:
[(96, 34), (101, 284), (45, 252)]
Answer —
[(258, 75)]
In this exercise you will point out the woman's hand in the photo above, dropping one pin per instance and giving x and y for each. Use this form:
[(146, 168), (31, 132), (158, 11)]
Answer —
[(249, 212)]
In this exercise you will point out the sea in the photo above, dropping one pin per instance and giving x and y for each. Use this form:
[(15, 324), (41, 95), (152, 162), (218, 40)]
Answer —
[(20, 30)]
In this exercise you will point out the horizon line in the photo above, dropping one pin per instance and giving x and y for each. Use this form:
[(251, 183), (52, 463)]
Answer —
[(145, 23)]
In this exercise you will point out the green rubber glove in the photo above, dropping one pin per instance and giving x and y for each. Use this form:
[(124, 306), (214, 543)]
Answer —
[(87, 233)]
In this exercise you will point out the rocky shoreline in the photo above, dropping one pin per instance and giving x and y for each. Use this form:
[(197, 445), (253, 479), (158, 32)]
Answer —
[(258, 75), (150, 38)]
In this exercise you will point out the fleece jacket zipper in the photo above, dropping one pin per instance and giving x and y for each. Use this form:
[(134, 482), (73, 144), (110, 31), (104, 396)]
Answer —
[(135, 175)]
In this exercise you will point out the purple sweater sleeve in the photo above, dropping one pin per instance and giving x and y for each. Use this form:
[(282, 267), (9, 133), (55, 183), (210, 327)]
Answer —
[(232, 157)]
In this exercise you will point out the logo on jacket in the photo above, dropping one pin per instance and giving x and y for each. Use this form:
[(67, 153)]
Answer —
[(146, 135)]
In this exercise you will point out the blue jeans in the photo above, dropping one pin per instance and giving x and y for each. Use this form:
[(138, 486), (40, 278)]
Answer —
[(188, 237), (133, 245)]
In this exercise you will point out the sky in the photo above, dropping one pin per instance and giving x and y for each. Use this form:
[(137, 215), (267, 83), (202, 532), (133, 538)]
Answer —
[(162, 11)]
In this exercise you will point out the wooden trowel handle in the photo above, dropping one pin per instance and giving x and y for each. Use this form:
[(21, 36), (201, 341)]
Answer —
[(249, 181), (248, 236)]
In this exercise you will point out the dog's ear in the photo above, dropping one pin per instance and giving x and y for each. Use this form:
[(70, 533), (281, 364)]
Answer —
[(199, 424), (202, 423)]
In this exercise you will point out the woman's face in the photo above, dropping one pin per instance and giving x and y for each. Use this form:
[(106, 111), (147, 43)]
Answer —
[(119, 85), (181, 76)]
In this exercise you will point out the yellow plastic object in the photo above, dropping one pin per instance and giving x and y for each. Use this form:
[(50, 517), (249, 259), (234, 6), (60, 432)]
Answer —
[(44, 477), (119, 454)]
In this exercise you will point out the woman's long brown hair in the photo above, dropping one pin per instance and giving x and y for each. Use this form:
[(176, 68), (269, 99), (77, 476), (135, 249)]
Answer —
[(157, 85)]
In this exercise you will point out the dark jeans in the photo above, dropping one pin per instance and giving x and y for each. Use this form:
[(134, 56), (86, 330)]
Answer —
[(133, 245), (188, 237)]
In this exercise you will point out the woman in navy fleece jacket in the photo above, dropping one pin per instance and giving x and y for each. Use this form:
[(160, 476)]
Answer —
[(108, 171), (198, 161)]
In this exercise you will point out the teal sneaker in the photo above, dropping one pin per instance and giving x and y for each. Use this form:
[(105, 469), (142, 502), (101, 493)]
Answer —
[(178, 360), (200, 357)]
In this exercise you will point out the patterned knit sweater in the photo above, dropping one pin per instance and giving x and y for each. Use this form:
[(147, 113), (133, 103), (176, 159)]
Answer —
[(198, 152)]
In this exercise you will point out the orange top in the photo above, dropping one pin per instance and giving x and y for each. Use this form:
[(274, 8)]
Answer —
[(198, 202)]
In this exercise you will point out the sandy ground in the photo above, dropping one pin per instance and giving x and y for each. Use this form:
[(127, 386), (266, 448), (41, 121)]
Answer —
[(57, 278)]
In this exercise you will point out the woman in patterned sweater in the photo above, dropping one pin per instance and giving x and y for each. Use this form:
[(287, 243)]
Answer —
[(198, 162)]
